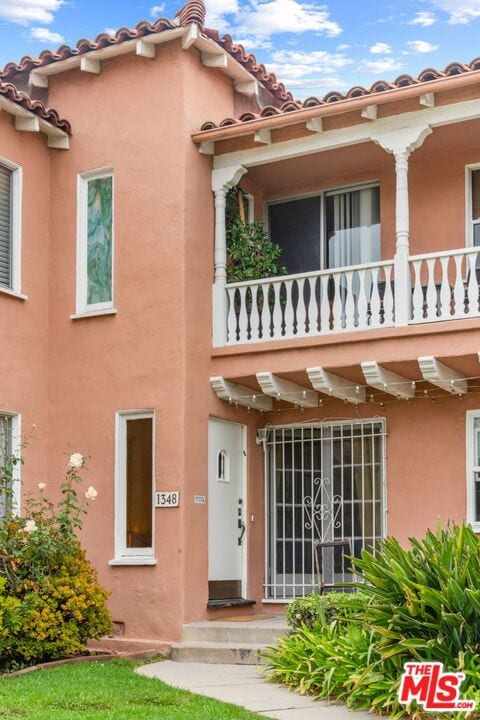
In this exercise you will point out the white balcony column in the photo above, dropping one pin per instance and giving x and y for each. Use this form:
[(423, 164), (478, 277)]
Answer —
[(401, 143), (222, 181)]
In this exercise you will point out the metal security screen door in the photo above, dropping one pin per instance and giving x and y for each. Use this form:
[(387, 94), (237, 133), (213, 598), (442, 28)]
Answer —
[(323, 483)]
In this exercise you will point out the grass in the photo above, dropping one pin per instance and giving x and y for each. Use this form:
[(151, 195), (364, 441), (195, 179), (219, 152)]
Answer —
[(105, 691)]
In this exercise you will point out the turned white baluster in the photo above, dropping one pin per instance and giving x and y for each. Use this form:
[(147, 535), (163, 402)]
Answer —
[(431, 291), (301, 313), (459, 288), (375, 303), (445, 295), (388, 305), (363, 300)]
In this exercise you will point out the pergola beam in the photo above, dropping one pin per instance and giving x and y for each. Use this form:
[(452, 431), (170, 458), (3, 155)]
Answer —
[(335, 386), (288, 391), (387, 381), (240, 395), (442, 376)]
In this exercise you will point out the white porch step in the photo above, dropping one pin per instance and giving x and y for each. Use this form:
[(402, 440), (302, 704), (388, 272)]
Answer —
[(218, 653), (264, 632)]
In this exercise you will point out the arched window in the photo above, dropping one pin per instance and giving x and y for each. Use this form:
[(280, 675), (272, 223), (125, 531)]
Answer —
[(223, 467)]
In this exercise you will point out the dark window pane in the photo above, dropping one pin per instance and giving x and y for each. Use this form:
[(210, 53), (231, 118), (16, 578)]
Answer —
[(476, 194), (476, 234), (139, 483), (295, 227), (477, 497)]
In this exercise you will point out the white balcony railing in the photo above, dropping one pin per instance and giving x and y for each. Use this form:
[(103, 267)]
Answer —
[(306, 305), (440, 286), (445, 285)]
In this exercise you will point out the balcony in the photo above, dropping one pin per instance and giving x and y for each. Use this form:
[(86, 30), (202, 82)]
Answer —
[(433, 287)]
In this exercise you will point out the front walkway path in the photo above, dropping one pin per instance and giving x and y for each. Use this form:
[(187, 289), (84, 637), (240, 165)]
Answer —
[(243, 685)]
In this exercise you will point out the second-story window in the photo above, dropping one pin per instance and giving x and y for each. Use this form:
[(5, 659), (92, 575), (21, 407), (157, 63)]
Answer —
[(332, 229), (95, 242), (10, 191), (475, 205)]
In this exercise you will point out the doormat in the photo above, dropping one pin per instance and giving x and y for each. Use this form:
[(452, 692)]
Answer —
[(244, 618)]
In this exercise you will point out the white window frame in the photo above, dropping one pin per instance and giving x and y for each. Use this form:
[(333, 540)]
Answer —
[(124, 555), (322, 195), (468, 204), (16, 443), (82, 306), (471, 469), (16, 229)]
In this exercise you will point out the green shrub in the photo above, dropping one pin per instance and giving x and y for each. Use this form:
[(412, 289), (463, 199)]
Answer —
[(323, 609), (423, 604), (51, 603)]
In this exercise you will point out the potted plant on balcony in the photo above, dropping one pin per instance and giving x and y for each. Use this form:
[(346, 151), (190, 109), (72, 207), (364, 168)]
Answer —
[(251, 253)]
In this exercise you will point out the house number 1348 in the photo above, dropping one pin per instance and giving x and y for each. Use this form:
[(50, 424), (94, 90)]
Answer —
[(170, 499)]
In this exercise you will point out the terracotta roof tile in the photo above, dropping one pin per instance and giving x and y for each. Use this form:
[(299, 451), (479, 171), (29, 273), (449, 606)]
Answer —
[(380, 86), (10, 92), (193, 11)]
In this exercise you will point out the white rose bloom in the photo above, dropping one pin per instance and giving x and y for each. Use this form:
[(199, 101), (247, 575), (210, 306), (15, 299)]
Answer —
[(91, 493), (30, 526), (42, 486), (76, 461)]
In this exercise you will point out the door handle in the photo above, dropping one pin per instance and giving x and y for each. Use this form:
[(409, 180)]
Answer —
[(243, 528)]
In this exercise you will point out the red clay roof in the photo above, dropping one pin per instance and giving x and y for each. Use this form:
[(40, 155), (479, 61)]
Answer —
[(10, 92), (380, 86), (193, 12)]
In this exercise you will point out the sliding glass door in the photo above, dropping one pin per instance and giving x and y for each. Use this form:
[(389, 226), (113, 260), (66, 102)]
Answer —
[(339, 228)]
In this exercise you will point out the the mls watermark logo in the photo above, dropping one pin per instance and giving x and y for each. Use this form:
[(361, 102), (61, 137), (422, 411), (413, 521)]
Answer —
[(432, 688)]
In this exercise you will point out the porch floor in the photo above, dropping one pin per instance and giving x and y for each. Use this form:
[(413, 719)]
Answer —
[(243, 685)]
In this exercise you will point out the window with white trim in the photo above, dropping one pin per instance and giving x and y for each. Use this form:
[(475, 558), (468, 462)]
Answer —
[(474, 202), (135, 483), (10, 219), (95, 241), (473, 468), (9, 447)]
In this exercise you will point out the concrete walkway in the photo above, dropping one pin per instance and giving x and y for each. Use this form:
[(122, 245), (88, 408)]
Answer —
[(243, 685)]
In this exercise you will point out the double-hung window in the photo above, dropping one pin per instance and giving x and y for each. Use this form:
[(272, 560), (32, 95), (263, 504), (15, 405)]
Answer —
[(473, 468), (9, 473), (134, 488), (95, 242), (473, 192), (338, 228), (10, 218)]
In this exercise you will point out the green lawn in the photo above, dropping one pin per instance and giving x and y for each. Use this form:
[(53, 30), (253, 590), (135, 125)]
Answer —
[(105, 691)]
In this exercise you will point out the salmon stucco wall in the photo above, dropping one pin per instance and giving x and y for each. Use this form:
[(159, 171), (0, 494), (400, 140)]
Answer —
[(24, 322)]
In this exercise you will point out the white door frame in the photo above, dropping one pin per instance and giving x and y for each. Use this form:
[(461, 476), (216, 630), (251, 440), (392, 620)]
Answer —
[(244, 489)]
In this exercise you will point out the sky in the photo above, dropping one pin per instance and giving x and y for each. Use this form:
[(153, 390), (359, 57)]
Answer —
[(313, 47)]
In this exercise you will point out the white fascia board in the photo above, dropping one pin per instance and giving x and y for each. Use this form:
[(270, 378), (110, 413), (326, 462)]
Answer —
[(288, 391), (353, 135)]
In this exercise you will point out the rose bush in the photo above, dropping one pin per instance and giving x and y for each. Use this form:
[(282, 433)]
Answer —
[(51, 602)]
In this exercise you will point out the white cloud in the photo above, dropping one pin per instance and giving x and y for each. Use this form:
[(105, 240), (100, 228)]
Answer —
[(46, 36), (157, 10), (26, 12), (216, 11), (382, 65), (316, 86), (110, 30), (344, 46), (381, 48), (421, 46), (318, 61), (460, 13), (423, 18), (263, 19)]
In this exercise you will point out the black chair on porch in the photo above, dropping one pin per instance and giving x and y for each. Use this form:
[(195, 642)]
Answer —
[(320, 547)]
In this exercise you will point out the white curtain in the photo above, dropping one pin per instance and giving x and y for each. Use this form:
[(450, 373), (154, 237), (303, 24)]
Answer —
[(353, 227)]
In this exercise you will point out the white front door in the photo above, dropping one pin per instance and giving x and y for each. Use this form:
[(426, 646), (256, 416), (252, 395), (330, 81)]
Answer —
[(226, 509)]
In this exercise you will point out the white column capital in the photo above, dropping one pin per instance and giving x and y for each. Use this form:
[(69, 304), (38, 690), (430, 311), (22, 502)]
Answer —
[(226, 178), (404, 141)]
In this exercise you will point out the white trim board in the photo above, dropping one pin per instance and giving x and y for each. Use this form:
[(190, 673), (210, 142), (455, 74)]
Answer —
[(469, 466), (82, 307), (353, 135), (124, 555), (16, 226)]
